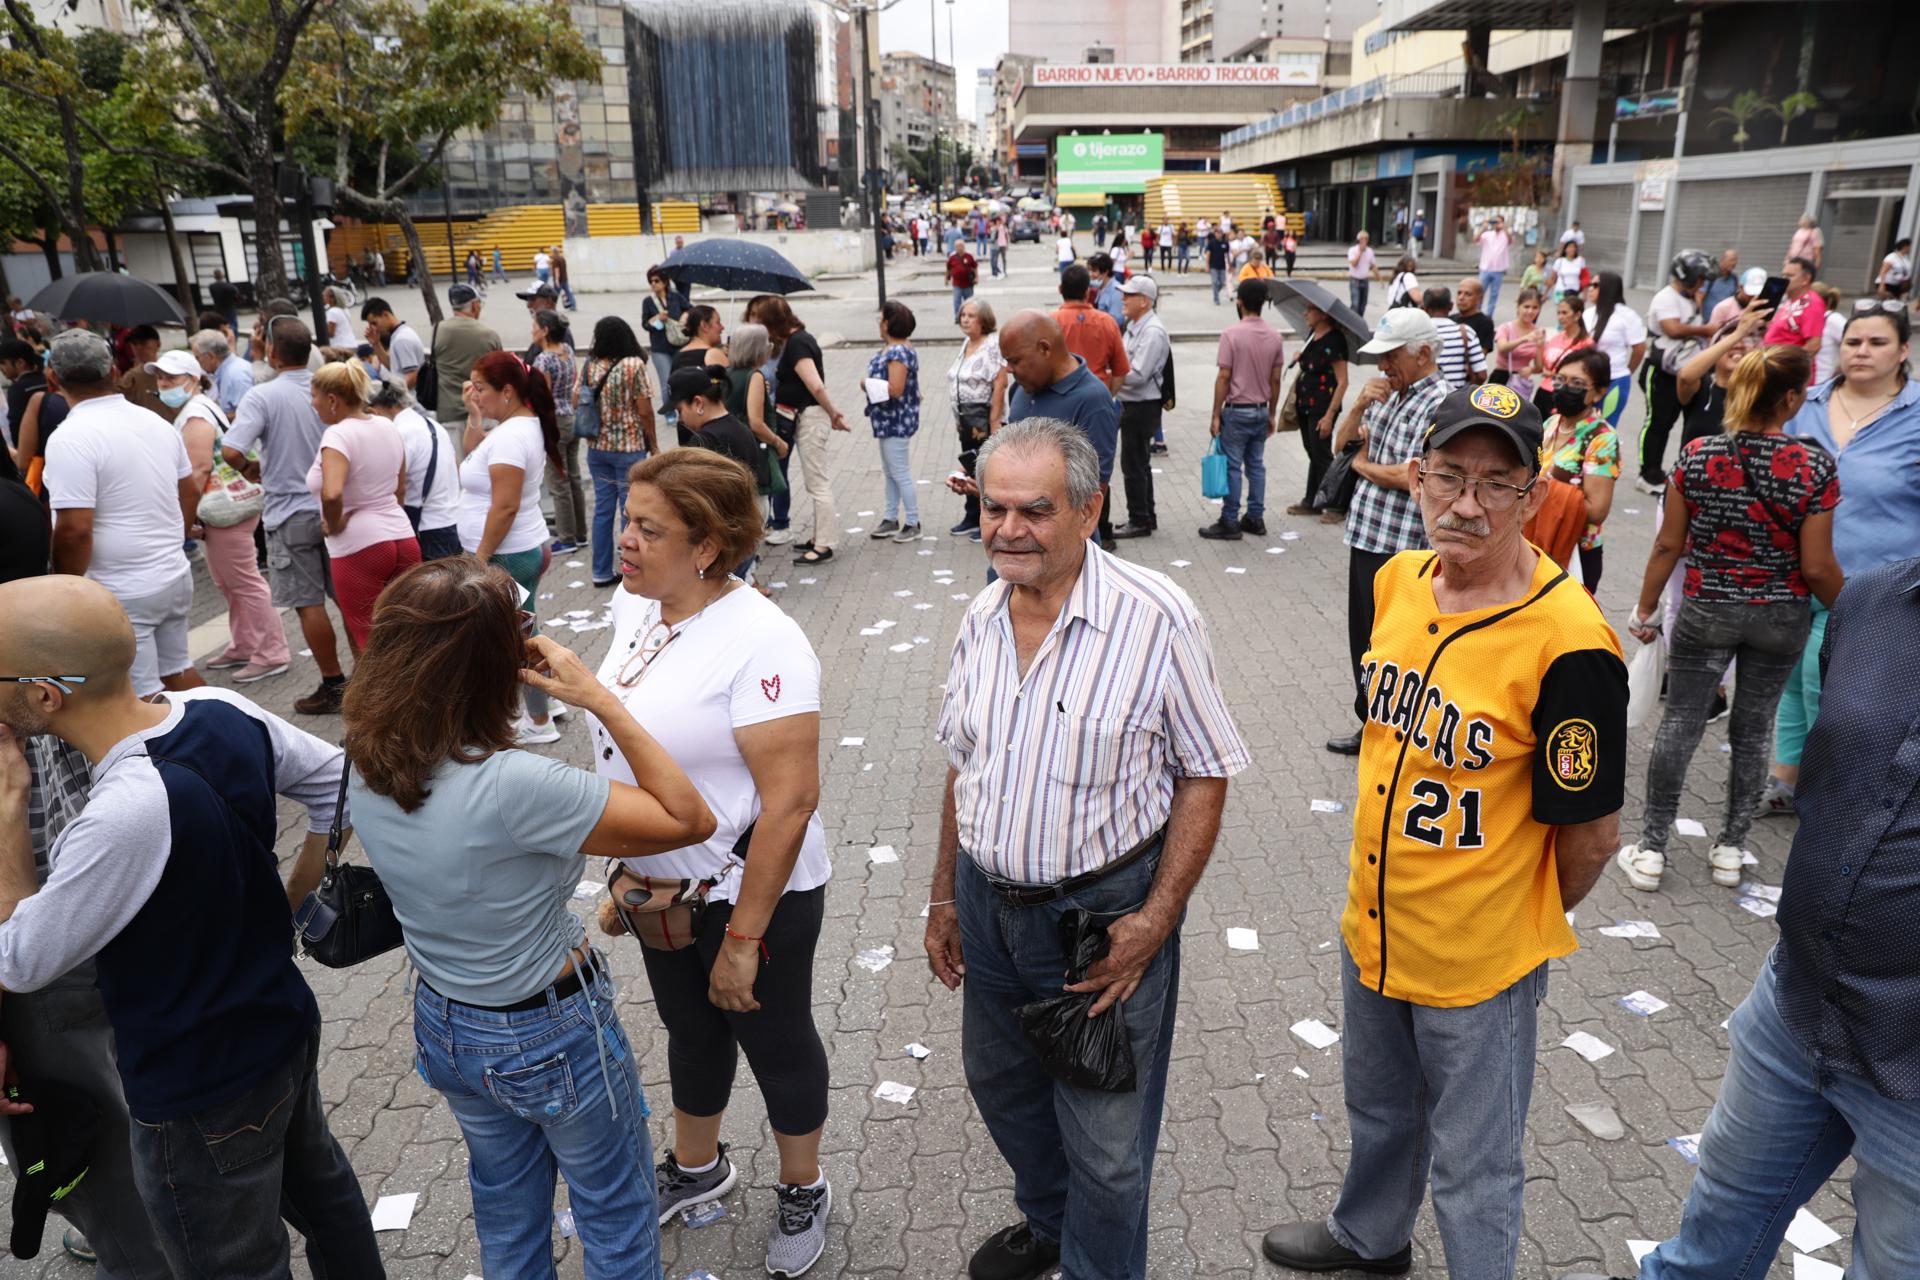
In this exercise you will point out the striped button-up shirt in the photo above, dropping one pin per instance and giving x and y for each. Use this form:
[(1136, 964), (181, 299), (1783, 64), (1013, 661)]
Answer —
[(1066, 768)]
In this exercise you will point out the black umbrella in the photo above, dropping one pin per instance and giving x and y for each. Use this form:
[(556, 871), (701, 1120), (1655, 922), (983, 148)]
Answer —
[(738, 266), (107, 297), (1291, 298)]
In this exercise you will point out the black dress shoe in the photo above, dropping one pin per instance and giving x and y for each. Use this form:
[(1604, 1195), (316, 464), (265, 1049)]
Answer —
[(1013, 1253), (1221, 531), (1131, 530), (1347, 746), (1108, 544), (1248, 524), (1309, 1246)]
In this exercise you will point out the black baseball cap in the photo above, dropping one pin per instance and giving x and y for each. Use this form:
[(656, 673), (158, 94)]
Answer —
[(462, 295), (684, 383), (1494, 405), (538, 291), (53, 1145)]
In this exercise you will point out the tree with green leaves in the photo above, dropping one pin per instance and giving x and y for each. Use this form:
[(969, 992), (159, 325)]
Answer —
[(405, 78), (1791, 108), (38, 64)]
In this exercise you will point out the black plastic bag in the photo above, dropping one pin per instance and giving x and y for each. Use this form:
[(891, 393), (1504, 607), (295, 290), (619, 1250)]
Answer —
[(1089, 1053)]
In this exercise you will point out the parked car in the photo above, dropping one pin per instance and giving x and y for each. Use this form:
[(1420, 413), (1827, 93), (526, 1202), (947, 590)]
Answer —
[(1024, 229)]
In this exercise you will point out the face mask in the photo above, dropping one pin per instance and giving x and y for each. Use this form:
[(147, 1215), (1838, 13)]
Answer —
[(174, 397), (1569, 402)]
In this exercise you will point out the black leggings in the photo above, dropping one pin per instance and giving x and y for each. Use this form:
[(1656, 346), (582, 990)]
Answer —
[(783, 1047), (1590, 567)]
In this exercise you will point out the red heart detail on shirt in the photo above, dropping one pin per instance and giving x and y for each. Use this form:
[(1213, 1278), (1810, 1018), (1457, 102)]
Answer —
[(771, 688)]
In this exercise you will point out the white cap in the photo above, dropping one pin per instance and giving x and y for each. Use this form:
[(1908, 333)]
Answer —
[(1753, 280), (176, 363), (1402, 326), (1142, 284)]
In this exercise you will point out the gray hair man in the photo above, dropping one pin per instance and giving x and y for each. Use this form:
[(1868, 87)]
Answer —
[(121, 487), (1142, 400), (232, 376), (1492, 772), (1387, 421), (458, 342), (1101, 796)]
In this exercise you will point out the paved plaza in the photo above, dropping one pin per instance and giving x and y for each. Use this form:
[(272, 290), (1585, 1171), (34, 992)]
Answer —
[(1255, 1132)]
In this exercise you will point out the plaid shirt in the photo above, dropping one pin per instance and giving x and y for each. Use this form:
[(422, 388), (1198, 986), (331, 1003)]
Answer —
[(1388, 520), (60, 783)]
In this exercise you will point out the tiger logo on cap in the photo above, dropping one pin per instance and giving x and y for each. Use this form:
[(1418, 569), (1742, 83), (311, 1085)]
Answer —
[(1496, 399)]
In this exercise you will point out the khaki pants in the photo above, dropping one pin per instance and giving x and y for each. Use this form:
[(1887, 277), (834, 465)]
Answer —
[(812, 429)]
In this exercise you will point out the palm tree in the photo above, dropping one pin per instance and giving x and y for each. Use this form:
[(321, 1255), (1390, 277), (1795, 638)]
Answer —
[(1791, 108), (1747, 105)]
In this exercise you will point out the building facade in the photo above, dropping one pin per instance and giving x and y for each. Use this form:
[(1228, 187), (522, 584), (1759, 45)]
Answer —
[(916, 97), (1095, 30)]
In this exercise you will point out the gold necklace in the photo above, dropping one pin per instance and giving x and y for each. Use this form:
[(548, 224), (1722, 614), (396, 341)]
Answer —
[(1853, 420)]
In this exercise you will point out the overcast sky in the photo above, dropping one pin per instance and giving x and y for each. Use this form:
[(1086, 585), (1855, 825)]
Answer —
[(979, 29)]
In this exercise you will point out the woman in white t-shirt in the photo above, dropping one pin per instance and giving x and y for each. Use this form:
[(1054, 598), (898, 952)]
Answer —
[(1404, 290), (731, 688), (1619, 331), (339, 323), (500, 517), (1568, 269), (433, 470)]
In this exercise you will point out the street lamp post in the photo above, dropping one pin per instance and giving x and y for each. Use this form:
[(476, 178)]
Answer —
[(933, 37)]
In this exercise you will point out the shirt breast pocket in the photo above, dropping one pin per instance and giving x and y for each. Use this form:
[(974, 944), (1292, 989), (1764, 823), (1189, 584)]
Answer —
[(1090, 752)]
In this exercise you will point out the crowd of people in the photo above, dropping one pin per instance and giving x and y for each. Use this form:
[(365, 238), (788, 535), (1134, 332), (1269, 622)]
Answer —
[(409, 481)]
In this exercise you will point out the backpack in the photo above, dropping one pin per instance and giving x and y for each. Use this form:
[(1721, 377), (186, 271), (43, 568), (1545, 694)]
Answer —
[(1166, 382), (426, 384)]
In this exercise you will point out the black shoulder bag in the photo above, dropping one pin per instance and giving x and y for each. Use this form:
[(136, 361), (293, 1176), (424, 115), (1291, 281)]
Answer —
[(426, 384), (349, 918)]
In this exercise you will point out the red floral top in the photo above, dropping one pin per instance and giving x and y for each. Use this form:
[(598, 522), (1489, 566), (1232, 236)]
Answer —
[(1747, 496)]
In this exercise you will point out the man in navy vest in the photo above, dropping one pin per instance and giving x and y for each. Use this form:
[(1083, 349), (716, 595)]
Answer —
[(168, 881)]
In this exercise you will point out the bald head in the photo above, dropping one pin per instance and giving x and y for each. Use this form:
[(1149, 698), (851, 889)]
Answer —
[(61, 625), (1035, 350)]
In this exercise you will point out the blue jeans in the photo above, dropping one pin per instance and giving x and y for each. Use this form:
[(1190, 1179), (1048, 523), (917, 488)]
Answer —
[(997, 261), (539, 1092), (1243, 435), (217, 1183), (608, 467), (960, 295), (1186, 258), (1218, 277), (1441, 1092), (1490, 281), (1357, 295), (1082, 1159), (902, 495), (1782, 1124)]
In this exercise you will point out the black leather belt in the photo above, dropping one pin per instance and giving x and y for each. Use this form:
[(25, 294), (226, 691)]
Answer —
[(1236, 405), (568, 984), (1016, 894)]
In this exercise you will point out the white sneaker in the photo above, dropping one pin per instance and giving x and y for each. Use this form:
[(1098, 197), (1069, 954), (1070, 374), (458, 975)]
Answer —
[(1644, 867), (560, 710), (779, 537), (1728, 864), (529, 734), (1651, 490)]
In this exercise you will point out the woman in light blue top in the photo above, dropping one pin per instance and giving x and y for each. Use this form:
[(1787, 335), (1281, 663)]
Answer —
[(480, 847), (895, 419), (1868, 417)]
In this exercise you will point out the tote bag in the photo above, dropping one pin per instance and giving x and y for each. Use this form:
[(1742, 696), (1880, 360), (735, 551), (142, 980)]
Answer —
[(1213, 472)]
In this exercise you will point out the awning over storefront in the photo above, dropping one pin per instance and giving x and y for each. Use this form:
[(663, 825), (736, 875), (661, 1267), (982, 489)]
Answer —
[(1081, 199)]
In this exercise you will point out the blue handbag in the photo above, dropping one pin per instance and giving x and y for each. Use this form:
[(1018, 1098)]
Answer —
[(586, 414), (1213, 472)]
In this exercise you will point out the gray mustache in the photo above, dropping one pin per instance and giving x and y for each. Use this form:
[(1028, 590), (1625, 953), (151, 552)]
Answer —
[(1454, 524)]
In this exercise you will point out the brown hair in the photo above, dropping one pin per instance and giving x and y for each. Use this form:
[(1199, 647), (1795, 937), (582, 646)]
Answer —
[(714, 496), (773, 312), (1761, 383), (439, 678)]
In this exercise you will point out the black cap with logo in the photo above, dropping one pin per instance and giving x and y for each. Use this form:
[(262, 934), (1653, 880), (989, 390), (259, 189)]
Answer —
[(1492, 405)]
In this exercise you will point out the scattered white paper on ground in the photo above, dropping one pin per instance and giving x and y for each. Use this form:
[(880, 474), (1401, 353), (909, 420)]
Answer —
[(899, 648), (1598, 1119), (1759, 907), (1630, 929), (1590, 1047), (700, 1215), (853, 742), (902, 595), (1644, 1003), (872, 631), (923, 553), (883, 853), (1641, 1248), (1805, 1268), (579, 613), (576, 564), (1181, 564), (1632, 511), (1765, 892), (874, 959), (1748, 860), (1302, 1074), (857, 529), (917, 1050), (1235, 568), (807, 582), (867, 767), (306, 653), (894, 1091), (1688, 827), (1688, 1145), (575, 585), (1243, 939), (961, 595), (1325, 806), (923, 605), (563, 1222), (863, 514), (1290, 535), (393, 1213), (884, 623), (777, 586), (587, 890), (1157, 471), (1807, 1233), (1315, 1032), (1276, 551)]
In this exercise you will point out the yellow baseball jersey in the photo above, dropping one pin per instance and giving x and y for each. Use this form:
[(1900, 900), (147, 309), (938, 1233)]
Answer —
[(1484, 732)]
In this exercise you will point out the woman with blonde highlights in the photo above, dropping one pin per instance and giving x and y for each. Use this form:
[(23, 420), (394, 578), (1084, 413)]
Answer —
[(360, 477)]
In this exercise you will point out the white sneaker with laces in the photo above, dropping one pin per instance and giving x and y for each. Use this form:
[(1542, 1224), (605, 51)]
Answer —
[(779, 537), (529, 734), (1728, 864), (1644, 867)]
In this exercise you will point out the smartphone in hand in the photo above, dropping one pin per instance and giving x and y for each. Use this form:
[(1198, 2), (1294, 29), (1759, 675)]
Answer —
[(1773, 291)]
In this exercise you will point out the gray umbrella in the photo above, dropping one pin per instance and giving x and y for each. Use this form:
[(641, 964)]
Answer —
[(1291, 298), (107, 297)]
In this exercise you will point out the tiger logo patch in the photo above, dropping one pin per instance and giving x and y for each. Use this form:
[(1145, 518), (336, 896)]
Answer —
[(1572, 753), (1495, 398)]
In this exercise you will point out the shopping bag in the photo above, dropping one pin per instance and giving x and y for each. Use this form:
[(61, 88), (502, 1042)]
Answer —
[(1644, 674), (1213, 472), (1088, 1053)]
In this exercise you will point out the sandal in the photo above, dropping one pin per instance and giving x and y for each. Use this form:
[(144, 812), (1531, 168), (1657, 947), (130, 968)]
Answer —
[(814, 555)]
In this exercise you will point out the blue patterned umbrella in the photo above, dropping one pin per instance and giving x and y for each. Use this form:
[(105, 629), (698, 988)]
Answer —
[(738, 266)]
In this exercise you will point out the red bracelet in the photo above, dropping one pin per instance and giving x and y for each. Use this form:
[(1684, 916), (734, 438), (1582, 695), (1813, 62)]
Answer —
[(741, 937)]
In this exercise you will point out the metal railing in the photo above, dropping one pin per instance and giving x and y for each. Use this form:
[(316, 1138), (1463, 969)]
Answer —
[(1425, 84)]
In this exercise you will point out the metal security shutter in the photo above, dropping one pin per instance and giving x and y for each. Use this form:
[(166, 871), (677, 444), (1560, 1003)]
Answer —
[(1757, 216), (1849, 261), (1604, 212), (1648, 271)]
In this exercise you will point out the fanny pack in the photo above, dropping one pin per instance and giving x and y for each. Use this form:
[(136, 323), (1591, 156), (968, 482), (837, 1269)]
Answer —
[(662, 913)]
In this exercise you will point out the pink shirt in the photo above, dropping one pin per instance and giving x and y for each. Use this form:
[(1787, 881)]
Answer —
[(1806, 243), (1250, 350), (374, 454), (1797, 321), (1520, 357), (1493, 249)]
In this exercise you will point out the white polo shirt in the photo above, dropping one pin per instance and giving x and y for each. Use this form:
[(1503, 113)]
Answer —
[(125, 464)]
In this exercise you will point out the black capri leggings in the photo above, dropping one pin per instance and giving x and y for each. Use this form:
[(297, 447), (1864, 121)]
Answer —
[(783, 1047)]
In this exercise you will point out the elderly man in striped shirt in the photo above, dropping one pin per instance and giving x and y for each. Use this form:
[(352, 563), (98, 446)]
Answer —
[(1090, 749)]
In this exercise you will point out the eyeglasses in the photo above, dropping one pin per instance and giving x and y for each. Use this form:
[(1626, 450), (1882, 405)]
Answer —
[(528, 622), (1491, 495), (1865, 305), (58, 682), (644, 650)]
